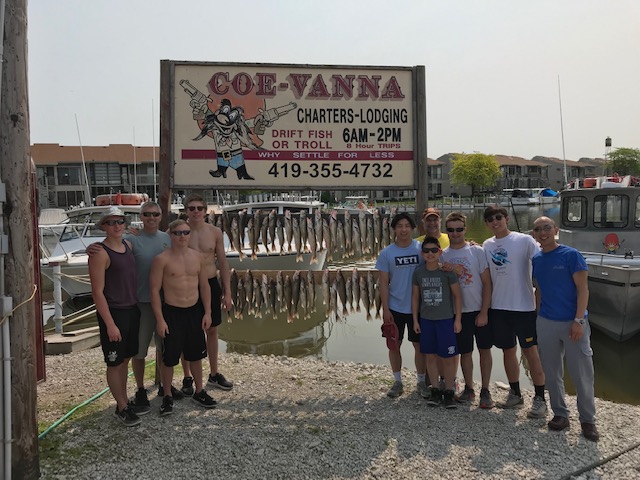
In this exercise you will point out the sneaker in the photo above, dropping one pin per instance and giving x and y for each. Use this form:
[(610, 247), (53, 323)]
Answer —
[(590, 432), (204, 399), (558, 423), (127, 417), (486, 401), (218, 381), (435, 398), (447, 399), (167, 406), (538, 408), (175, 393), (187, 386), (140, 404), (423, 390), (512, 401), (396, 390), (468, 395)]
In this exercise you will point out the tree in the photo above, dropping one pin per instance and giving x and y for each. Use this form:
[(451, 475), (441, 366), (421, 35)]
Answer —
[(475, 169), (624, 161)]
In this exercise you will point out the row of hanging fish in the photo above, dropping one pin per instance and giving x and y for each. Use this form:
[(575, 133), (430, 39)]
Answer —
[(296, 293), (346, 235)]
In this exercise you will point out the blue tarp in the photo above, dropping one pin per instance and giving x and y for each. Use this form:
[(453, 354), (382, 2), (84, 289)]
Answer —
[(547, 192)]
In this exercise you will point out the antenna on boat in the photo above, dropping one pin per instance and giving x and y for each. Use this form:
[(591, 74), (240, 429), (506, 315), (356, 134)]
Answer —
[(87, 192), (153, 146), (607, 152), (564, 158), (135, 170)]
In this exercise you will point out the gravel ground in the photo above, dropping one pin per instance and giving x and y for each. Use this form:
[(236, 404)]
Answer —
[(305, 418)]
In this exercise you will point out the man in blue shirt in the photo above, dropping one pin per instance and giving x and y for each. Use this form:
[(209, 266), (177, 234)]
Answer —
[(562, 294), (396, 264)]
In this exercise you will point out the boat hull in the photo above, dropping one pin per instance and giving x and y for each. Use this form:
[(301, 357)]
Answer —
[(614, 300)]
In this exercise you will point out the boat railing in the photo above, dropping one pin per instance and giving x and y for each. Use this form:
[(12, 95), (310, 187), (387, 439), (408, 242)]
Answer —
[(610, 259)]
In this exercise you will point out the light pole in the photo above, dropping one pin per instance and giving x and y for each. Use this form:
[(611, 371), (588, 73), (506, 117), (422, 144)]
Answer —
[(607, 152)]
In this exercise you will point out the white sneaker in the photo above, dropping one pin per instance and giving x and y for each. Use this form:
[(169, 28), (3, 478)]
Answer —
[(538, 408)]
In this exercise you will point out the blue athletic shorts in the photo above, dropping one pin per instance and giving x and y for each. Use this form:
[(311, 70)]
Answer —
[(438, 337)]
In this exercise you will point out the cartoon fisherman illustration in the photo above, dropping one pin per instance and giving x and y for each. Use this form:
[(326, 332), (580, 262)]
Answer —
[(229, 129), (612, 243)]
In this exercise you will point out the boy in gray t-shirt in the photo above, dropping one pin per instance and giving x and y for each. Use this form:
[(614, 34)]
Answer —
[(436, 299)]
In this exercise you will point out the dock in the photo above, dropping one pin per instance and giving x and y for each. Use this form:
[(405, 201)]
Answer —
[(74, 341)]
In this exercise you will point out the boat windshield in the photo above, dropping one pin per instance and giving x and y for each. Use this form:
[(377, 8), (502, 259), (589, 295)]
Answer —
[(611, 211)]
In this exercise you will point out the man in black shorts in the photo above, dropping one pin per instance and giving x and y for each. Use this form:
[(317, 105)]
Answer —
[(113, 285), (513, 310), (182, 320)]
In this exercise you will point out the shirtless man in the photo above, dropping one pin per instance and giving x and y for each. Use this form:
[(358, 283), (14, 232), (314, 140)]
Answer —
[(208, 240), (182, 319)]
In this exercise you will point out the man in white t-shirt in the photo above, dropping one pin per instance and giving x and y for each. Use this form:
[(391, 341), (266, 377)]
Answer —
[(470, 264), (513, 308)]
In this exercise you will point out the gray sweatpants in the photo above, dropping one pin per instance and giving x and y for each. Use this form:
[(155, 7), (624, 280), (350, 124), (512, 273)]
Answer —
[(553, 344)]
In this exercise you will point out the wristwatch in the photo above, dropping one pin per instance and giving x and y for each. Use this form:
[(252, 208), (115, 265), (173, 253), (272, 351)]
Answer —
[(579, 320)]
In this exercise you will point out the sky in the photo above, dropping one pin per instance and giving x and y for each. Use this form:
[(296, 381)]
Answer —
[(493, 67)]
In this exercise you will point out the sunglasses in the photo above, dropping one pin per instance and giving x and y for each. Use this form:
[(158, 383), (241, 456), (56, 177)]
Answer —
[(180, 233), (200, 208), (546, 228), (151, 214), (457, 229), (490, 219), (430, 250), (111, 223)]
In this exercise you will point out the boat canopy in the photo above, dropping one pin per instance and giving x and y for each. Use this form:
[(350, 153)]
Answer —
[(548, 192)]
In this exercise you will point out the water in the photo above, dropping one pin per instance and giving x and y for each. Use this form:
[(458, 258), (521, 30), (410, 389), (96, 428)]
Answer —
[(355, 339)]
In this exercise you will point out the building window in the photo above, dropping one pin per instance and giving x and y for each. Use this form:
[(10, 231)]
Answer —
[(69, 199), (69, 176)]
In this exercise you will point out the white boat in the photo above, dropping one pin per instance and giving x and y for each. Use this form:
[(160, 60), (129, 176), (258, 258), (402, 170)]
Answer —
[(355, 204), (602, 220), (67, 248), (266, 257)]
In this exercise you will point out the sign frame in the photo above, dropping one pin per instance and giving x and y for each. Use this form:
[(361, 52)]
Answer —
[(170, 88)]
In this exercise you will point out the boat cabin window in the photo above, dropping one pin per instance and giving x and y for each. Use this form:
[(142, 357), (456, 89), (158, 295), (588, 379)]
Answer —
[(637, 219), (610, 211), (574, 212)]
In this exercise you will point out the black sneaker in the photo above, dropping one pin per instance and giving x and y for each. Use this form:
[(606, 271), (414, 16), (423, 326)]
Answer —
[(127, 417), (448, 400), (204, 399), (167, 406), (140, 403), (218, 381), (175, 393), (436, 397), (187, 386)]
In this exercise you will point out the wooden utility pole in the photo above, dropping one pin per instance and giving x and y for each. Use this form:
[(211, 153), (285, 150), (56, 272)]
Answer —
[(17, 221)]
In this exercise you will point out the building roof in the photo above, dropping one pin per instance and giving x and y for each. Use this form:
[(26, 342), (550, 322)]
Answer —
[(53, 154)]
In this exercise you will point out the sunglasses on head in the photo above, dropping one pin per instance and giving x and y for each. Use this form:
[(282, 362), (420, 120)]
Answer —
[(457, 229), (545, 228), (180, 233), (111, 223), (151, 214), (193, 208), (497, 216), (430, 249)]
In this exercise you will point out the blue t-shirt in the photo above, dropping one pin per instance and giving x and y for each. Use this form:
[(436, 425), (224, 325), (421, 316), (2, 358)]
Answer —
[(399, 263), (553, 272)]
